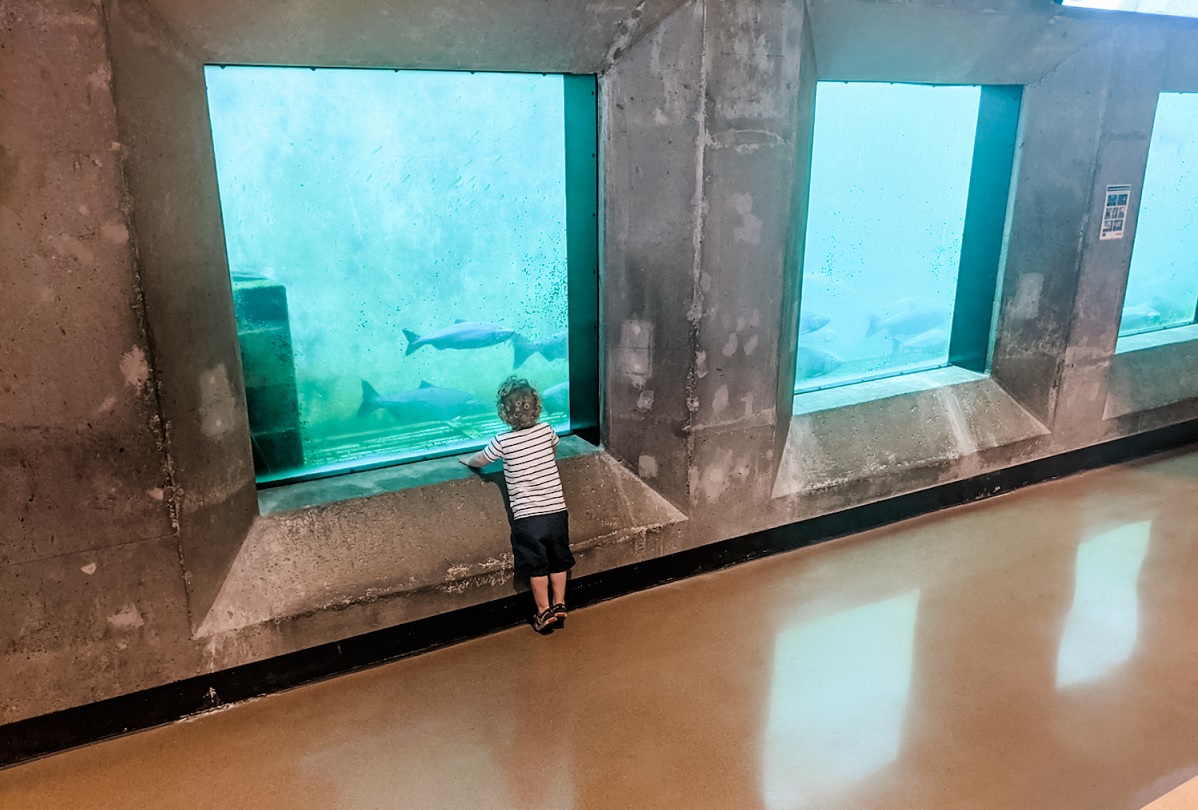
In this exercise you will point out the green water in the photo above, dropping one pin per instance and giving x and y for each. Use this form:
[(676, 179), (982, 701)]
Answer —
[(1162, 282), (379, 201), (889, 184)]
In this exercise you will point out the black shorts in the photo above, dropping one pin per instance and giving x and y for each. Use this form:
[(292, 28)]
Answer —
[(541, 545)]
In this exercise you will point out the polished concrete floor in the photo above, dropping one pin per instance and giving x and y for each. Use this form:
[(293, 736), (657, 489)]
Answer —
[(1037, 650)]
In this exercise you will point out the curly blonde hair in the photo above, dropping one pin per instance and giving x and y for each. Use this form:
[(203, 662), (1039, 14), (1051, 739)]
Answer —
[(518, 403)]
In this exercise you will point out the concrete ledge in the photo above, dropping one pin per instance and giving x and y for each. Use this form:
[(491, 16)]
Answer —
[(449, 536), (939, 417), (365, 484), (1152, 370)]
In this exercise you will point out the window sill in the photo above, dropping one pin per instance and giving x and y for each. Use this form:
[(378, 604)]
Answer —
[(1151, 340), (864, 442), (1152, 370), (857, 393), (382, 551), (323, 491)]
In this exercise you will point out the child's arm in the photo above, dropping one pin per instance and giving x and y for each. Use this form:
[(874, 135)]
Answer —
[(492, 452), (477, 461)]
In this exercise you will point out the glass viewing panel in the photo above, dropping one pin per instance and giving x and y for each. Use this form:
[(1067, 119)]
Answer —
[(1162, 281), (397, 242), (890, 182), (1174, 8)]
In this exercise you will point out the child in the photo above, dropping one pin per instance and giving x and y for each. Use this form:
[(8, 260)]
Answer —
[(540, 529)]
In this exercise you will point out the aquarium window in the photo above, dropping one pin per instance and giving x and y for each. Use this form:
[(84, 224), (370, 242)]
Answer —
[(399, 242), (907, 206), (1162, 281), (1171, 8)]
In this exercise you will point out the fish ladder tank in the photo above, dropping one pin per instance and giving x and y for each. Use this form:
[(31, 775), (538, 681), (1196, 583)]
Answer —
[(1162, 280), (886, 231), (399, 242)]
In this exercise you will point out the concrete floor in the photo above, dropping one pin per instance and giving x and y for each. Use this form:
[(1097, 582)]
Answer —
[(1033, 651)]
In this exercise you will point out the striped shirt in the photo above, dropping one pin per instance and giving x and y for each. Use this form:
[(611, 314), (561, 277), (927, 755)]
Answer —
[(533, 485)]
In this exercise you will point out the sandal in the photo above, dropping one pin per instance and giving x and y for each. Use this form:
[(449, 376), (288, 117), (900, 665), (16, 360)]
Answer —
[(559, 612), (543, 622)]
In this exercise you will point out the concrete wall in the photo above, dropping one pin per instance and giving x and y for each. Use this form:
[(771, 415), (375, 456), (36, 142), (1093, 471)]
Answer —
[(133, 546)]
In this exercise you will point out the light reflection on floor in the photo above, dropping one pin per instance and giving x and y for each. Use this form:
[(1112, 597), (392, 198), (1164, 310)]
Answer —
[(837, 699), (1103, 622), (1036, 650)]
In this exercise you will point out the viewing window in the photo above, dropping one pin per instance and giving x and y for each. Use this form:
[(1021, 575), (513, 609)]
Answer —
[(1172, 8), (1162, 281), (906, 212), (399, 242)]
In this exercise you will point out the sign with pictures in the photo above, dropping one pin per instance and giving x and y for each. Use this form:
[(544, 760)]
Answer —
[(1114, 212)]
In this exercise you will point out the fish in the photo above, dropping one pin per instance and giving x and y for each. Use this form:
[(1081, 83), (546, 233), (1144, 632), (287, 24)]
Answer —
[(1173, 310), (815, 363), (914, 319), (554, 347), (826, 284), (428, 402), (462, 335), (1139, 317), (556, 397), (934, 340), (812, 321), (824, 336)]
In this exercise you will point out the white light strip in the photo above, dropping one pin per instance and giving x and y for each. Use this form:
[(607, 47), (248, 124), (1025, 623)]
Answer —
[(1173, 8)]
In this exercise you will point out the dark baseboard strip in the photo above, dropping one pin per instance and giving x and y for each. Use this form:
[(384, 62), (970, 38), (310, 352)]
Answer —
[(39, 736)]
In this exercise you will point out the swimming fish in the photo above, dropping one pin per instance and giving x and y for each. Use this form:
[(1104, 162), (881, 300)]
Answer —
[(1139, 317), (1171, 309), (426, 403), (556, 397), (934, 340), (812, 321), (914, 319), (815, 363), (554, 347), (462, 335), (827, 285)]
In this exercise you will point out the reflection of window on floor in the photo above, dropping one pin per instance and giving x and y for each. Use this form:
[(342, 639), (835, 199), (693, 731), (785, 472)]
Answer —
[(906, 211), (399, 242), (1174, 8), (1162, 282), (839, 692), (1104, 621)]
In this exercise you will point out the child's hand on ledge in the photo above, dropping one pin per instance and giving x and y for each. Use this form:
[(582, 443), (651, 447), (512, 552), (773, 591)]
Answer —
[(476, 461)]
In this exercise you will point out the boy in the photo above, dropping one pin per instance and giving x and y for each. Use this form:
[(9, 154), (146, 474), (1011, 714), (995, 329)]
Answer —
[(540, 528)]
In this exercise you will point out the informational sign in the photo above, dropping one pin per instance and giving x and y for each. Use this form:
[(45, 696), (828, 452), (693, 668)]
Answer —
[(1114, 213)]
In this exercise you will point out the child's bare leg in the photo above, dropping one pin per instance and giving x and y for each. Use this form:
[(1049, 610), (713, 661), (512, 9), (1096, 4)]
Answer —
[(558, 582), (540, 592)]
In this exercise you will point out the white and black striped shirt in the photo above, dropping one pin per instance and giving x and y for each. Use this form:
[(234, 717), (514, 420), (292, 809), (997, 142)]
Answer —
[(533, 485)]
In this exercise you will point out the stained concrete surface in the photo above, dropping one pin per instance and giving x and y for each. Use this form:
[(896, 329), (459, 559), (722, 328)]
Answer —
[(1035, 650), (126, 491), (306, 560)]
